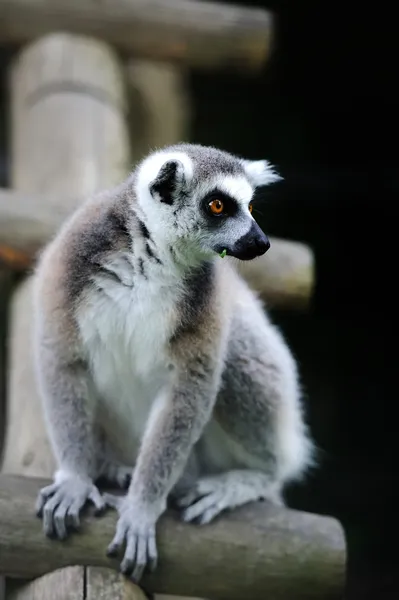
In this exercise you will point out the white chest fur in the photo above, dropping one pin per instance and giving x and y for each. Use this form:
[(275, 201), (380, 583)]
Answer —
[(125, 326)]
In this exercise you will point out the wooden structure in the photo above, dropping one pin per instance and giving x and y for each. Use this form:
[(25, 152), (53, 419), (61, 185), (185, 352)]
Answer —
[(254, 552), (81, 114)]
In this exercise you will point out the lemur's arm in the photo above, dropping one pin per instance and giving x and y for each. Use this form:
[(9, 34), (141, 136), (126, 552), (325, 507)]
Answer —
[(174, 426), (64, 382)]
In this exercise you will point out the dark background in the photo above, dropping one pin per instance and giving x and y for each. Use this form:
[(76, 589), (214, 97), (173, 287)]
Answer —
[(324, 111)]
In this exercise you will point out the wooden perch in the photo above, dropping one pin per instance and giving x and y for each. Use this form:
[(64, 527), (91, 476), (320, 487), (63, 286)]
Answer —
[(201, 34), (255, 552), (284, 276)]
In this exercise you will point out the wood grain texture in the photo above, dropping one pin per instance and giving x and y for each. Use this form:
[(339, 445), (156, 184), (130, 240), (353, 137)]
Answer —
[(63, 584), (80, 583), (108, 584), (200, 34), (68, 139), (273, 552)]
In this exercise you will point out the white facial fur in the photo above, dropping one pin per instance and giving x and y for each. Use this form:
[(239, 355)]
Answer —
[(260, 172), (183, 223)]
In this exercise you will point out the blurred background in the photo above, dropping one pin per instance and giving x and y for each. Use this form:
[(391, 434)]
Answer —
[(323, 109)]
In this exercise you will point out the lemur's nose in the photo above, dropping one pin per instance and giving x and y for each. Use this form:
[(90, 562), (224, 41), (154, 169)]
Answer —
[(262, 243), (252, 244)]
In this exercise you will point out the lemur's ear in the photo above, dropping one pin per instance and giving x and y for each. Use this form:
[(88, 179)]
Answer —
[(260, 172), (168, 182)]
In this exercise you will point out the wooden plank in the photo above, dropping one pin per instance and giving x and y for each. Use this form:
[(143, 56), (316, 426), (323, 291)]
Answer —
[(254, 552), (284, 276), (63, 584), (200, 34), (68, 139)]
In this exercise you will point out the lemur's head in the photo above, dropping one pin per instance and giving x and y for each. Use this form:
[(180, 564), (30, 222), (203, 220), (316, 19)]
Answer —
[(199, 199)]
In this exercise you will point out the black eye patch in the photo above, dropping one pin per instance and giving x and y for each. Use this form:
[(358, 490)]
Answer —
[(218, 204)]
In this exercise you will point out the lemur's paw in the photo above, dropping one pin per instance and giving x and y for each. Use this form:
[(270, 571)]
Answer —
[(60, 504), (214, 494), (136, 530)]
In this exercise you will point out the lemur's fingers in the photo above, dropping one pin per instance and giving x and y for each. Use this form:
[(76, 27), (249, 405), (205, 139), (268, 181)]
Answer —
[(197, 509), (48, 511), (209, 514), (152, 552), (42, 496), (118, 539), (60, 520), (73, 517)]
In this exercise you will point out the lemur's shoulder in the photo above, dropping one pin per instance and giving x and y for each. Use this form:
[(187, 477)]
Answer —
[(96, 228)]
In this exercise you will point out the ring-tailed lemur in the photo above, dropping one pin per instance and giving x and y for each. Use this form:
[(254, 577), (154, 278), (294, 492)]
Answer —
[(153, 352)]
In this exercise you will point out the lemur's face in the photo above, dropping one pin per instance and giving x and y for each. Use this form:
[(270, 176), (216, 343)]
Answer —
[(200, 200)]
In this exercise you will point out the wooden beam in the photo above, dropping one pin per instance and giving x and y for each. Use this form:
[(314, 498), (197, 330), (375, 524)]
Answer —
[(200, 34), (254, 552), (284, 276)]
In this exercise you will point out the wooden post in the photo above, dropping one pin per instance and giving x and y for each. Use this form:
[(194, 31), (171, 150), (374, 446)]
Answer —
[(160, 100), (68, 139)]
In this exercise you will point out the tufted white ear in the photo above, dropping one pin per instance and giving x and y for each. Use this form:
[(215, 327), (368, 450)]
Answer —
[(164, 174), (260, 172)]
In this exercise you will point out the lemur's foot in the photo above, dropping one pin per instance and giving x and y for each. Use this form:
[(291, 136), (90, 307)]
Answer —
[(214, 494)]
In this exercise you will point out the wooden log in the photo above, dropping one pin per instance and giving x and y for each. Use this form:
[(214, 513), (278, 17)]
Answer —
[(63, 584), (81, 583), (68, 139), (254, 552), (200, 34), (284, 276)]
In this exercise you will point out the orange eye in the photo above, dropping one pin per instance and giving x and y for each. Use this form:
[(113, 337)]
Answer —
[(216, 207), (250, 208)]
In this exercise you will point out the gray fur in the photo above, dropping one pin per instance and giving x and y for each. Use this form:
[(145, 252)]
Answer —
[(153, 352)]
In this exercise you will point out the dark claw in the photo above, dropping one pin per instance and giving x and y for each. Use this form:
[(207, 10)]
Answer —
[(126, 567), (112, 551)]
